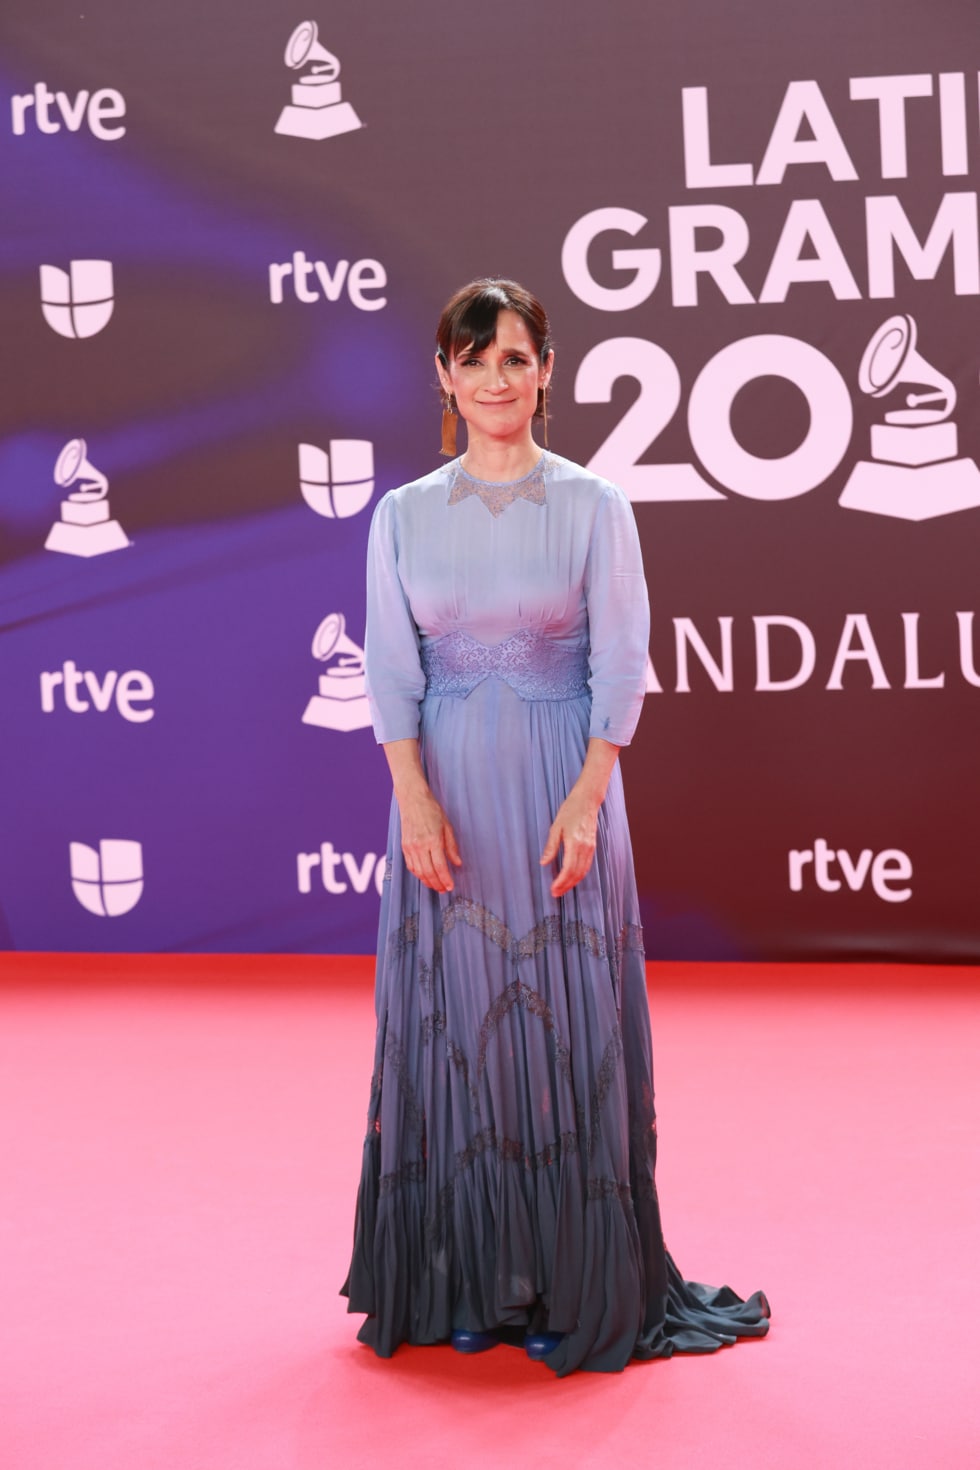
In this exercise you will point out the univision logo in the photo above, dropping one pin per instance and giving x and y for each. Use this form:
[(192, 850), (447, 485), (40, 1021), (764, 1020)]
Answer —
[(77, 302), (340, 481), (107, 880)]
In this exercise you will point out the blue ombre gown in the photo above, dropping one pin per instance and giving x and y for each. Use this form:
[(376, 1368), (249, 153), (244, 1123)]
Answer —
[(508, 1171)]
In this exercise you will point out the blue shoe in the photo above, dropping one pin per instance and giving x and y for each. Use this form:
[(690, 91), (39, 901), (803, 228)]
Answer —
[(473, 1342), (540, 1344)]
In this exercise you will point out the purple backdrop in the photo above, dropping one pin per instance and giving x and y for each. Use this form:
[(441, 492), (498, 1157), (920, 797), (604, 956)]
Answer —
[(756, 232)]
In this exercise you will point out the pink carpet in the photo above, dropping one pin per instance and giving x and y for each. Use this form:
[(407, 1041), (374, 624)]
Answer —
[(180, 1142)]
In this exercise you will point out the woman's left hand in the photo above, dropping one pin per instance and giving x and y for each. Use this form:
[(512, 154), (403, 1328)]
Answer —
[(574, 832)]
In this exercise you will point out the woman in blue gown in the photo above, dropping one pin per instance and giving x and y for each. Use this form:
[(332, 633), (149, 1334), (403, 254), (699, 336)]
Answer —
[(507, 1188)]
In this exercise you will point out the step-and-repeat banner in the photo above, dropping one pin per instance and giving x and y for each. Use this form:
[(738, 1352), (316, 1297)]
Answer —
[(228, 232)]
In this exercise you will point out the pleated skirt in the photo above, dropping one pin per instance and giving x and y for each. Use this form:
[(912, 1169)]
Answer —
[(508, 1174)]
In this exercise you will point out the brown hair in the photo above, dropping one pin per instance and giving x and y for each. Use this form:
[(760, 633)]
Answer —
[(469, 319)]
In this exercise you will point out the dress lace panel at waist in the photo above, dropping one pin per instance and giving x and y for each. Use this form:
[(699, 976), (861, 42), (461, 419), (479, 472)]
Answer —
[(534, 666)]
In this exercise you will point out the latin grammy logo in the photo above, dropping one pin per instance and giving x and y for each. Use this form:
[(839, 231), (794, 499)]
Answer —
[(316, 110), (342, 701), (914, 472), (85, 528)]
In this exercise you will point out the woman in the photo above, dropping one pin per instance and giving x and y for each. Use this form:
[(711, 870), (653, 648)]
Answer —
[(507, 1188)]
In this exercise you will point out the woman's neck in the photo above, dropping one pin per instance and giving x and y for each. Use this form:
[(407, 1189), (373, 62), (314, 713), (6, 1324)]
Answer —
[(500, 460)]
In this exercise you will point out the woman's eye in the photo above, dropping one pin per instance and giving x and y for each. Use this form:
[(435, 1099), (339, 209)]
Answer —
[(478, 361)]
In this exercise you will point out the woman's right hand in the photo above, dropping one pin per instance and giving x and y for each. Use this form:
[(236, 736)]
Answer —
[(428, 840)]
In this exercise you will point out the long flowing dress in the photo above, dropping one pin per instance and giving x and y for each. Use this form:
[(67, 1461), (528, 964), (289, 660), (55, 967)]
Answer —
[(508, 1169)]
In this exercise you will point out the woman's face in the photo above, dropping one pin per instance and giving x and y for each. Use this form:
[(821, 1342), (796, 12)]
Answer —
[(496, 390)]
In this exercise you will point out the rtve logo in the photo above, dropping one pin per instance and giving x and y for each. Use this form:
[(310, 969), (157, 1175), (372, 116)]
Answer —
[(95, 109), (340, 481), (357, 280), (328, 860), (130, 689), (887, 868), (77, 302), (107, 880)]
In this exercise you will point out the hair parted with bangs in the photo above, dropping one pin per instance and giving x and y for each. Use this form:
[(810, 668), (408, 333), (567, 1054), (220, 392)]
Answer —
[(469, 319)]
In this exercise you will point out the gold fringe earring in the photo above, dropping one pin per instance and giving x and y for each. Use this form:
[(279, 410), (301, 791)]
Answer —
[(449, 425), (544, 416)]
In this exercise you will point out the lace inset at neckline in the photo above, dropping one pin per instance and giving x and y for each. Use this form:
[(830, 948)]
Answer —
[(496, 496)]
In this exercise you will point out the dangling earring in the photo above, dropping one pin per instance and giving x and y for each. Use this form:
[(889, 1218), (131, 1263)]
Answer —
[(449, 425), (544, 415)]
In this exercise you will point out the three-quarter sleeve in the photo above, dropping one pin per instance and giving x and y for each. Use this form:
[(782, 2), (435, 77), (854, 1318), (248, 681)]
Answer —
[(619, 620), (395, 681)]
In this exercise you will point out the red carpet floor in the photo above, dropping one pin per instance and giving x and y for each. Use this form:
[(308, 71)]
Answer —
[(180, 1142)]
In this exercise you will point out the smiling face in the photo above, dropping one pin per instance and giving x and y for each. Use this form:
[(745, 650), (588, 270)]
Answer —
[(496, 388)]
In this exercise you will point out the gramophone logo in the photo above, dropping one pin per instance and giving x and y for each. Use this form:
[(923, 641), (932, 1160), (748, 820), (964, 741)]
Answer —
[(342, 701), (914, 471), (107, 880), (77, 302), (316, 110), (337, 482), (85, 528)]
